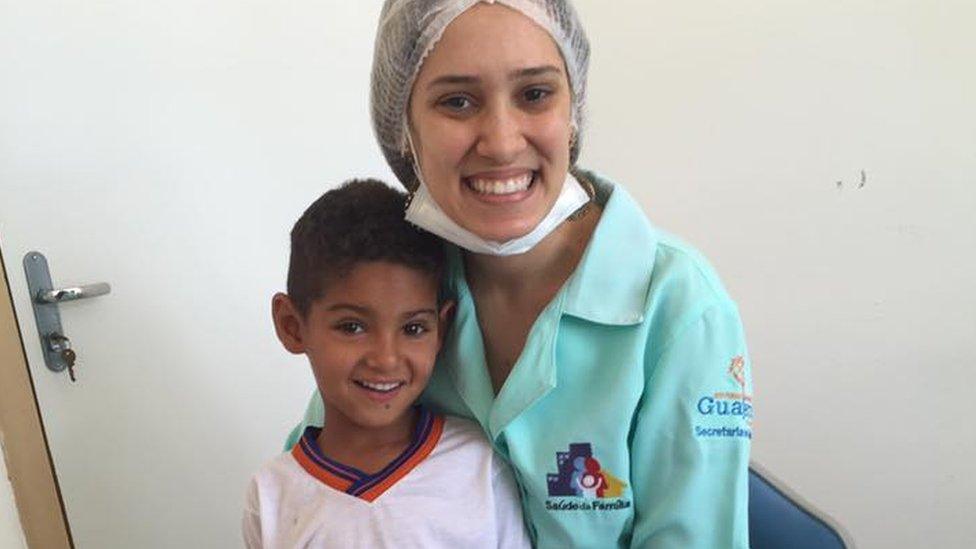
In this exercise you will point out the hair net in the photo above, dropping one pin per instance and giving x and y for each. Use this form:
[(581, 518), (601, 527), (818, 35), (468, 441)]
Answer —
[(408, 30)]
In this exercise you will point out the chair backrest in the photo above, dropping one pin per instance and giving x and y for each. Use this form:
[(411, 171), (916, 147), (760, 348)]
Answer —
[(779, 521)]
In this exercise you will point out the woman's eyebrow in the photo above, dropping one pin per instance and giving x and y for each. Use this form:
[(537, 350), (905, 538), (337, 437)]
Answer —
[(514, 75), (453, 79), (534, 71)]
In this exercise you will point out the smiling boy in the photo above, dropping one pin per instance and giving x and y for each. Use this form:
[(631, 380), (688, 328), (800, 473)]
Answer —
[(363, 306)]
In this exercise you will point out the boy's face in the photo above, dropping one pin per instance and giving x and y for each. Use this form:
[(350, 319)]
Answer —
[(371, 339)]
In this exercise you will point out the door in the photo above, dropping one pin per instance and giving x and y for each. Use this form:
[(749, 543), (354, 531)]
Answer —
[(166, 149)]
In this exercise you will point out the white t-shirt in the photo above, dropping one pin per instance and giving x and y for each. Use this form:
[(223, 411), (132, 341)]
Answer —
[(448, 489)]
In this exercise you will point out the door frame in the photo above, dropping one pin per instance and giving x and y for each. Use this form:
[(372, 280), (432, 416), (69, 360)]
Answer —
[(25, 448)]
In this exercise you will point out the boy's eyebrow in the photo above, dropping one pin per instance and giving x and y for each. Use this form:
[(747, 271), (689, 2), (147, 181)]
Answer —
[(514, 75), (366, 310), (418, 312), (355, 308)]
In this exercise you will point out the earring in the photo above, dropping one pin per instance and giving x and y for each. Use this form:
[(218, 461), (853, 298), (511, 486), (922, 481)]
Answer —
[(590, 191), (406, 204), (411, 188)]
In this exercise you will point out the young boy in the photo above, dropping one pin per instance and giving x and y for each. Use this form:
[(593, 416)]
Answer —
[(362, 305)]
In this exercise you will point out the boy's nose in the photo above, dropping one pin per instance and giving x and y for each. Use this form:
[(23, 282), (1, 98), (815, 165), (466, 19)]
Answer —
[(384, 353)]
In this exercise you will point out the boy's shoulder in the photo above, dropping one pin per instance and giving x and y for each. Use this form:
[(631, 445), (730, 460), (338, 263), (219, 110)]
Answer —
[(277, 472), (271, 486), (460, 433), (463, 427), (464, 444)]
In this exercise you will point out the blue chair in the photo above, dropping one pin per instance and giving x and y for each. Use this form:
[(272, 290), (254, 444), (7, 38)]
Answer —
[(778, 520)]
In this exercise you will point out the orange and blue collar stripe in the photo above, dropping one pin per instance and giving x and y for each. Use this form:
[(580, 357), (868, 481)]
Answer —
[(358, 483)]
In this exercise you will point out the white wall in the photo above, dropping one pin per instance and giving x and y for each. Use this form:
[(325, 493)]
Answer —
[(11, 533), (733, 122)]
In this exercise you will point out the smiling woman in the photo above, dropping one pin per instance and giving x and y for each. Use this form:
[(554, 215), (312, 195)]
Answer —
[(584, 337)]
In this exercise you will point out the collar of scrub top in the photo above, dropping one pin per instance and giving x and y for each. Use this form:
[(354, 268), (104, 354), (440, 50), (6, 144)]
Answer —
[(609, 287)]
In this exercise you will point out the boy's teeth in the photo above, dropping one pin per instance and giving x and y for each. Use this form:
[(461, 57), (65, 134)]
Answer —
[(502, 186), (382, 387)]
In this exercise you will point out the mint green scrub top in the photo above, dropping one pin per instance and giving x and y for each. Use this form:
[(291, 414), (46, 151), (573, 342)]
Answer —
[(628, 417)]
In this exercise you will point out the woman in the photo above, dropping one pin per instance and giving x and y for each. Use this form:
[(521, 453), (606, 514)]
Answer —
[(601, 356)]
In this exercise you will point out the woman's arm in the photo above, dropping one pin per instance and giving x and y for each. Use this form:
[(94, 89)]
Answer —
[(691, 438)]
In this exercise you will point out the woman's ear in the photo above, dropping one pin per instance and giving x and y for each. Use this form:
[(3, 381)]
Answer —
[(445, 318), (288, 323)]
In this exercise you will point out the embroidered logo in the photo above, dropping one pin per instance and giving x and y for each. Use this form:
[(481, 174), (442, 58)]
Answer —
[(581, 476), (728, 404), (737, 369)]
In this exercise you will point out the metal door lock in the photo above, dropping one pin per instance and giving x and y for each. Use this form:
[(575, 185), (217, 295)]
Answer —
[(61, 345), (58, 354)]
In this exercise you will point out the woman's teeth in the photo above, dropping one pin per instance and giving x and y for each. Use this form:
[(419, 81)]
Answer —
[(502, 186), (380, 387)]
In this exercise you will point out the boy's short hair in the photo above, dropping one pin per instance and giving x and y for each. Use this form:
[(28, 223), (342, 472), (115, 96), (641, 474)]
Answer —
[(359, 221)]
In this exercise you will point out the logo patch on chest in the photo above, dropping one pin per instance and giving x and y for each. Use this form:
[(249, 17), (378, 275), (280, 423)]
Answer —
[(581, 477)]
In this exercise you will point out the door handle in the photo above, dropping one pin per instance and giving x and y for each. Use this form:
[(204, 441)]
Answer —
[(73, 293), (45, 298)]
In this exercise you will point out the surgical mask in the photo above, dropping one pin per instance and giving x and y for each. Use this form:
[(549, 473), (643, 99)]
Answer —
[(426, 214)]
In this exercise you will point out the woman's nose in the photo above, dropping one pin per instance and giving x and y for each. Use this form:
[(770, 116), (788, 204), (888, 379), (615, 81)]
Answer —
[(501, 136)]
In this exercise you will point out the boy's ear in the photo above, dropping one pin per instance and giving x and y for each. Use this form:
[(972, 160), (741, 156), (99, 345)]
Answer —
[(445, 319), (287, 323)]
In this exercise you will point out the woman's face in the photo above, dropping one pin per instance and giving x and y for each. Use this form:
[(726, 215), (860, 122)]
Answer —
[(490, 122)]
